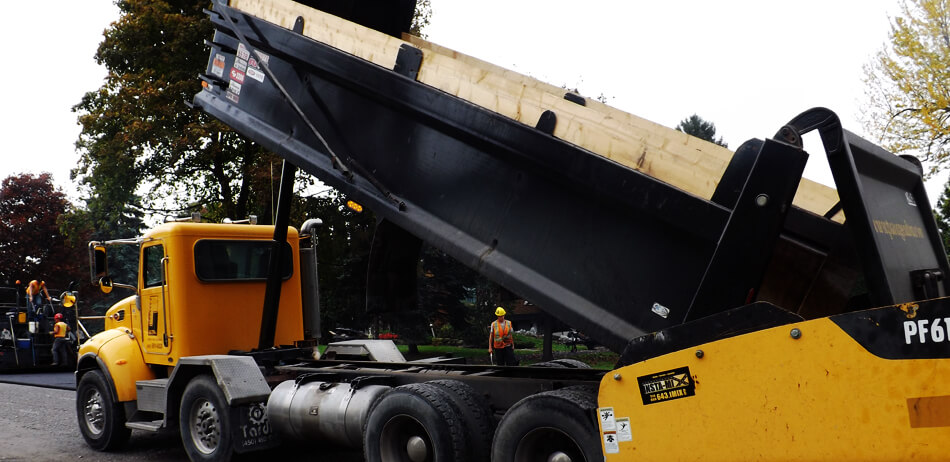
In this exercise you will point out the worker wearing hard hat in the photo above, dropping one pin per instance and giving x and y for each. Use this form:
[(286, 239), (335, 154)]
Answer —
[(35, 292), (59, 331), (501, 344)]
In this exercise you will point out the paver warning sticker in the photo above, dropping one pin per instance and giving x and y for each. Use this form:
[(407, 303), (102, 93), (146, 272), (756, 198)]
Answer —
[(667, 385), (607, 419), (611, 443), (623, 429)]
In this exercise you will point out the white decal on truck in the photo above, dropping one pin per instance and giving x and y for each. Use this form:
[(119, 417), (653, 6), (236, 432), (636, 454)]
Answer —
[(924, 330)]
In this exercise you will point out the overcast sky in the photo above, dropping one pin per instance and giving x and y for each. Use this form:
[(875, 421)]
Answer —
[(747, 66)]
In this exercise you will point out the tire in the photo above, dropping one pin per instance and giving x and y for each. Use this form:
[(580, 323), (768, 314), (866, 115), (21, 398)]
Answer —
[(101, 421), (204, 420), (572, 363), (414, 423), (476, 418), (565, 363), (554, 425)]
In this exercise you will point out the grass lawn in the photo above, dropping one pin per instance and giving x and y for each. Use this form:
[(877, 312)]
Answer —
[(597, 358)]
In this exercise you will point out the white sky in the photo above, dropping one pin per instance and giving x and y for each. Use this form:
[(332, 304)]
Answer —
[(747, 66)]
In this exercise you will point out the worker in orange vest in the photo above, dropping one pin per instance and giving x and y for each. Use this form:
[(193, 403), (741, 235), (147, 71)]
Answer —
[(60, 329), (501, 344), (35, 292)]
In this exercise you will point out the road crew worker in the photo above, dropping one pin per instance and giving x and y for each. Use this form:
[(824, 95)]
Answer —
[(34, 295), (501, 340), (59, 341)]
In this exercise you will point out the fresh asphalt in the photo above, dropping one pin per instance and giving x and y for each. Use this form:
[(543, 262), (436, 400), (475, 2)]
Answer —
[(57, 380)]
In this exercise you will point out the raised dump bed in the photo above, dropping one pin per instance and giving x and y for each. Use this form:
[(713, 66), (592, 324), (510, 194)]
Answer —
[(614, 224)]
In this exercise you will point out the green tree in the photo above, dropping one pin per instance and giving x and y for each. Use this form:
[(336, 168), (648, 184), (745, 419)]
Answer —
[(702, 129), (942, 216), (420, 18), (908, 83), (343, 244)]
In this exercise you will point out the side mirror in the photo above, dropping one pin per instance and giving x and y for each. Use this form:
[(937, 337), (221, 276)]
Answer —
[(98, 263), (68, 299), (105, 284)]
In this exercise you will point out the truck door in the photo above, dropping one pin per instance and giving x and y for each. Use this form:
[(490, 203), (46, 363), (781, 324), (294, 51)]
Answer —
[(155, 300)]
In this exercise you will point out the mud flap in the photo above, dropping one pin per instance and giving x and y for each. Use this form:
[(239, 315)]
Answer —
[(251, 429)]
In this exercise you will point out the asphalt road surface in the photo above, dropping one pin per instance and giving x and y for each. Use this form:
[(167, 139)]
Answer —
[(38, 423)]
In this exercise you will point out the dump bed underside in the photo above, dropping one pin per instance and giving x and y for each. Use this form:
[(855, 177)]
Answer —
[(613, 224)]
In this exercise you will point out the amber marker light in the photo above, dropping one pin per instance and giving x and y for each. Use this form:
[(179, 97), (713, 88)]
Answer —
[(354, 206)]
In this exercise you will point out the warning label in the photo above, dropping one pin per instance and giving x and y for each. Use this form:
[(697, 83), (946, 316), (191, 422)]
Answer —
[(667, 385), (217, 65)]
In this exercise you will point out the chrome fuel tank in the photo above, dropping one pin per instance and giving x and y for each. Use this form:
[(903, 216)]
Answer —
[(328, 411)]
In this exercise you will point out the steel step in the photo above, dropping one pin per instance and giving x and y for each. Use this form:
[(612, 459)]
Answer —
[(152, 426)]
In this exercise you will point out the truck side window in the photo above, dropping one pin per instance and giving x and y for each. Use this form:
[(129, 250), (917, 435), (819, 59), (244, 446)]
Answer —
[(234, 260), (153, 275)]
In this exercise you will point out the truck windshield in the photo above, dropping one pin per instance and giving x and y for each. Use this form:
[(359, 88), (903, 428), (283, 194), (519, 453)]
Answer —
[(233, 260)]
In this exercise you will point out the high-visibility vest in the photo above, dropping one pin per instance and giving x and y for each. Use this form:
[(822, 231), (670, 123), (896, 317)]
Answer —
[(501, 334), (61, 330)]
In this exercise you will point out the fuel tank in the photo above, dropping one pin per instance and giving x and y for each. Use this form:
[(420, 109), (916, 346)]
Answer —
[(327, 411)]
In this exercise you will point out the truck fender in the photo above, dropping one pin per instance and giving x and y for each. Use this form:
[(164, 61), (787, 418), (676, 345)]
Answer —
[(120, 359), (244, 389), (239, 377)]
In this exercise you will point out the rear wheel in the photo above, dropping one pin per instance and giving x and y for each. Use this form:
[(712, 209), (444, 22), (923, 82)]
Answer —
[(414, 423), (552, 426), (475, 415), (204, 421), (101, 421), (564, 363)]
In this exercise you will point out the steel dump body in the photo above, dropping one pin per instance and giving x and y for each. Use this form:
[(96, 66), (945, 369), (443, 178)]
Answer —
[(604, 247)]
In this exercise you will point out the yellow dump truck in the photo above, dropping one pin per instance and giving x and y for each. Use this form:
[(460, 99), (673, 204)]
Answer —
[(758, 316)]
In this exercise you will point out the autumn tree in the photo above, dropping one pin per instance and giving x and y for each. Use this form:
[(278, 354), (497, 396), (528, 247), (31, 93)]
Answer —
[(31, 245), (908, 83), (702, 129)]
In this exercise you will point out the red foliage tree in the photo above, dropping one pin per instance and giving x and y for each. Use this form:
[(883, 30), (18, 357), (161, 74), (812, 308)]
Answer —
[(31, 245)]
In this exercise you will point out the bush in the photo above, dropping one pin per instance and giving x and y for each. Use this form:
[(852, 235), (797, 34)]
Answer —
[(526, 342)]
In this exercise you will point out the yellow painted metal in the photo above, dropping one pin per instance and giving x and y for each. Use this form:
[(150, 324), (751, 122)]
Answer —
[(769, 396), (199, 317), (211, 317), (122, 357), (123, 309)]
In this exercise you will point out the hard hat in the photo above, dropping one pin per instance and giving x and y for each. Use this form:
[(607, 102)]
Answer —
[(499, 311), (58, 316)]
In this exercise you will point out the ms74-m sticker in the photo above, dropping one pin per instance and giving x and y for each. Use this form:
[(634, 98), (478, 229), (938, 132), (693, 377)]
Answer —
[(666, 385)]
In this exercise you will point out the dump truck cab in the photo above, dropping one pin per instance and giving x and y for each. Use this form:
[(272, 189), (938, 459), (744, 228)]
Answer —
[(199, 291)]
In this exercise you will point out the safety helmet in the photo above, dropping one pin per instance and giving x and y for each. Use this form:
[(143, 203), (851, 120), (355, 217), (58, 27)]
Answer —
[(58, 316), (499, 311)]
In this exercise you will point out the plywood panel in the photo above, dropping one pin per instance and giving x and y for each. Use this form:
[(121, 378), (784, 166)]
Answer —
[(686, 162)]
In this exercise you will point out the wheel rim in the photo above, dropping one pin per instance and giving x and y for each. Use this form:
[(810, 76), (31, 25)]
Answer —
[(404, 439), (549, 445), (205, 424), (94, 412)]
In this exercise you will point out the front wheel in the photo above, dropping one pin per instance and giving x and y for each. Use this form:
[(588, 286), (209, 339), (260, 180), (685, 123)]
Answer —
[(204, 421), (101, 421)]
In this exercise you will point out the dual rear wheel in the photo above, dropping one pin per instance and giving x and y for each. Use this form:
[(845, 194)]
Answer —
[(446, 420)]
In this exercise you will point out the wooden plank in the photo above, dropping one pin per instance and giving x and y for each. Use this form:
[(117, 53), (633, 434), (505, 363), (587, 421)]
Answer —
[(683, 161)]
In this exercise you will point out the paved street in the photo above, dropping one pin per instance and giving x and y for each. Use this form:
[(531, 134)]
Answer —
[(39, 424)]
